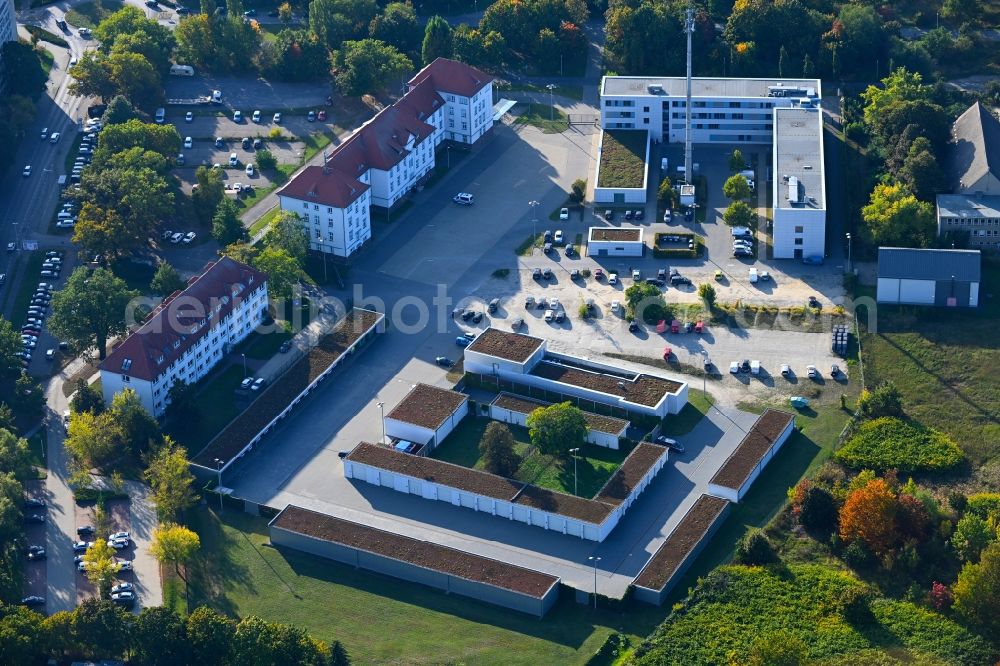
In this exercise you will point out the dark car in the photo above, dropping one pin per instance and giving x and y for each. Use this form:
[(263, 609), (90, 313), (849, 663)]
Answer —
[(444, 361), (678, 280), (34, 503), (467, 315), (33, 600), (537, 273), (477, 317), (36, 553), (547, 236), (285, 347), (85, 529), (633, 327), (670, 443), (36, 518), (609, 215)]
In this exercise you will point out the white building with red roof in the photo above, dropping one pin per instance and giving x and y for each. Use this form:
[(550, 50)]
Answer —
[(187, 334), (389, 155)]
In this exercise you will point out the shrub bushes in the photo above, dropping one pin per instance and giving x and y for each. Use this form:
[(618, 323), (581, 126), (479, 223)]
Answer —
[(890, 443), (754, 549), (984, 505)]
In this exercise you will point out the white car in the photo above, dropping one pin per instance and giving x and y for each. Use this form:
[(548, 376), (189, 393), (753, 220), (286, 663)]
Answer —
[(55, 137), (812, 372), (167, 233), (188, 142), (615, 306), (189, 237), (612, 278), (564, 213), (249, 169), (27, 171), (277, 118), (188, 117), (123, 565), (558, 238), (45, 134), (120, 535), (734, 368), (786, 370), (256, 116), (118, 544), (463, 199), (177, 238), (122, 587)]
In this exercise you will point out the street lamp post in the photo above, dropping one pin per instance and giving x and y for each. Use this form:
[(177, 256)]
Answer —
[(574, 452), (595, 559), (704, 371), (218, 466), (244, 365), (849, 266), (552, 108), (534, 223), (381, 409)]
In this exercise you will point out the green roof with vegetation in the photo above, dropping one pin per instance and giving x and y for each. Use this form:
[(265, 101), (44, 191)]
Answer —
[(623, 158)]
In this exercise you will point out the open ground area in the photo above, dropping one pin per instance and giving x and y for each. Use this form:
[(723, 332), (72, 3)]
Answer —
[(623, 158)]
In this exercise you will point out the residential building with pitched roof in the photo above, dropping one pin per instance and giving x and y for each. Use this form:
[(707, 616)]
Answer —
[(187, 334), (389, 155)]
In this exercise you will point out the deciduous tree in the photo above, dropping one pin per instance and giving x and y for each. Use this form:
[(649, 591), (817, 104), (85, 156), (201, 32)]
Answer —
[(227, 228), (556, 429), (397, 25), (92, 439), (496, 448), (736, 161), (90, 308), (282, 271), (706, 292), (895, 217), (174, 544), (645, 302), (736, 188), (23, 69), (139, 430), (739, 214), (578, 191), (160, 638), (100, 629), (86, 398), (287, 233), (367, 66), (209, 194), (971, 536), (210, 635), (171, 480), (10, 364), (101, 565), (869, 515), (977, 591)]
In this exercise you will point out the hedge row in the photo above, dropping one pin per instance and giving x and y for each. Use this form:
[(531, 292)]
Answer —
[(890, 443)]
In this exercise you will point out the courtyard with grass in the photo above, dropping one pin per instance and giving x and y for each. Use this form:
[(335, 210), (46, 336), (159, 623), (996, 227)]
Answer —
[(216, 396), (623, 158), (594, 466)]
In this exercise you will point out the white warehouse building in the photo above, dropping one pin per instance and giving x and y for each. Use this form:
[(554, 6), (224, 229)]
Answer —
[(799, 194), (389, 155), (187, 334), (723, 110), (426, 415)]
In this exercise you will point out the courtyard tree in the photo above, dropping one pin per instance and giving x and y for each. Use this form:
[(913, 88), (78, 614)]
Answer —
[(86, 398), (578, 191), (90, 308), (667, 195), (282, 271), (210, 193), (174, 544), (166, 280), (139, 430), (736, 188), (287, 233), (171, 481), (496, 448), (736, 161), (894, 216), (227, 228), (266, 159), (556, 429), (739, 214)]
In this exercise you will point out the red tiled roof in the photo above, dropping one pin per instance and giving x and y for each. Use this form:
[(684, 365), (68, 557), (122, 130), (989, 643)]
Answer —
[(330, 187), (453, 76), (169, 331)]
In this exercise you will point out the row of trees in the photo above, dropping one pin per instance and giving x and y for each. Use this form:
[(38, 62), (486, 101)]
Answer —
[(281, 255), (158, 637), (24, 80), (15, 469)]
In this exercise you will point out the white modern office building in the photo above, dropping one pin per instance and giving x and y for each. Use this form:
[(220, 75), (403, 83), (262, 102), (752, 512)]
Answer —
[(187, 334), (799, 188), (723, 110), (389, 155)]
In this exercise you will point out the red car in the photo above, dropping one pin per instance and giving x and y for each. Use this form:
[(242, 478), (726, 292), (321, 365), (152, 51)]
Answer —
[(667, 351), (599, 274), (321, 115), (699, 326)]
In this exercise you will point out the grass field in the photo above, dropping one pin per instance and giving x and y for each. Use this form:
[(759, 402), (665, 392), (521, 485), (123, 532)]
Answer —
[(698, 405), (218, 400), (89, 14), (623, 158), (547, 118), (593, 468), (382, 620)]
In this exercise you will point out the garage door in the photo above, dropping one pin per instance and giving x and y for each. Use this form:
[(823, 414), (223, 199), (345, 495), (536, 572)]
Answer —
[(916, 291)]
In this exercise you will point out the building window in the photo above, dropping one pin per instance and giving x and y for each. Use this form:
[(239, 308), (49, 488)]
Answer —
[(799, 229), (798, 241)]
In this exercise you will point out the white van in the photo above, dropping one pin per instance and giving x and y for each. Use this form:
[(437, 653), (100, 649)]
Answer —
[(161, 115), (664, 164), (753, 276), (181, 70), (233, 159)]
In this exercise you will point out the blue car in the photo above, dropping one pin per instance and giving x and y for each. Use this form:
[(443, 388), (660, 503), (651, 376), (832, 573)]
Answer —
[(462, 341), (814, 260)]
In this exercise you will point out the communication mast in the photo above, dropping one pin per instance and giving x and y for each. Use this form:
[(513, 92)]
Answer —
[(689, 29)]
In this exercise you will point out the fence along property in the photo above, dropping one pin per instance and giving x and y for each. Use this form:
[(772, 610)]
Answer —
[(277, 400)]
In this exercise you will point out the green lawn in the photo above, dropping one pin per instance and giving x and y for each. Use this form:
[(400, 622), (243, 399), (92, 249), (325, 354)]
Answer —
[(218, 400), (263, 346), (89, 14), (547, 118), (594, 467), (383, 620), (37, 444), (569, 92), (623, 158)]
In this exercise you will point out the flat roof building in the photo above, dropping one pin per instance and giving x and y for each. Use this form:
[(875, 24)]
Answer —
[(799, 187), (974, 215), (911, 276), (426, 415)]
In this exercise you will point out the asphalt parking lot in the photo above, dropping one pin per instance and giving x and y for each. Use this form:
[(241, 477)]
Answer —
[(209, 126), (35, 581), (206, 152)]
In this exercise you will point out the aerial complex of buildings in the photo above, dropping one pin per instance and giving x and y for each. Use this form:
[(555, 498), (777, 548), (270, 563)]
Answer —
[(784, 113), (389, 155)]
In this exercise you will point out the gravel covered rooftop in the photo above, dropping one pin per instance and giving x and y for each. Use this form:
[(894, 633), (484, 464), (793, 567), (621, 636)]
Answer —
[(758, 440), (420, 553), (642, 389), (502, 344), (427, 406), (684, 539)]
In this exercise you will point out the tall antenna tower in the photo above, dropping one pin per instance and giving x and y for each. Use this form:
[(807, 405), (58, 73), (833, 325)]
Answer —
[(689, 29)]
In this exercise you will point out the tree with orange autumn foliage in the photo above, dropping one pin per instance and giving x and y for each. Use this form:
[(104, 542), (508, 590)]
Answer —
[(869, 514)]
